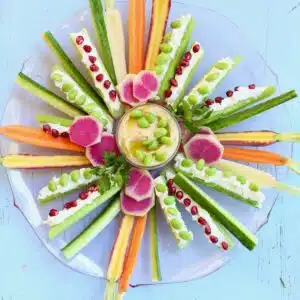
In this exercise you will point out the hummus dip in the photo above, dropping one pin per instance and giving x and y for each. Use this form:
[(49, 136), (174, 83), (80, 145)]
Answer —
[(148, 136)]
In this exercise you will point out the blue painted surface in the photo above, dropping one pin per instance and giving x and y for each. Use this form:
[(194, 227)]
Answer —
[(27, 271)]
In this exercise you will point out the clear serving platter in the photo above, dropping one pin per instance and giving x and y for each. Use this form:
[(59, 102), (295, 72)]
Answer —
[(220, 38)]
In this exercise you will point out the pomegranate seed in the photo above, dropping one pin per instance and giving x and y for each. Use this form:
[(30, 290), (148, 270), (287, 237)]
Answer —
[(170, 182), (87, 48), (187, 202), (174, 82), (179, 71), (209, 102), (93, 188), (251, 86), (196, 48), (213, 239), (112, 95), (229, 93), (65, 134), (92, 59), (53, 212), (172, 190), (225, 245), (236, 88), (55, 133), (194, 210), (179, 195), (188, 56), (168, 93), (207, 230), (99, 77), (83, 195), (46, 128), (107, 84), (79, 40), (202, 221), (70, 204), (185, 63), (219, 99), (94, 68)]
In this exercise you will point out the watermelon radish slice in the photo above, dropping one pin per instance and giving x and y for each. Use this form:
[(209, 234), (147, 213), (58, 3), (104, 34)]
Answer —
[(140, 185), (149, 81), (140, 92), (136, 208), (95, 152), (86, 131), (125, 90), (206, 130), (187, 135), (203, 146)]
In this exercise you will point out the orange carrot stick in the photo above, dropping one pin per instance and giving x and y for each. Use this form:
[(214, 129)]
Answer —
[(260, 157), (36, 137), (136, 35), (132, 254)]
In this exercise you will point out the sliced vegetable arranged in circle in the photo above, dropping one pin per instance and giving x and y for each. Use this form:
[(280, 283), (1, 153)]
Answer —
[(145, 86), (237, 186), (136, 208), (95, 153), (27, 161), (183, 75), (77, 96), (98, 16), (46, 95), (203, 146), (36, 137), (86, 131), (206, 86), (116, 39), (95, 228), (214, 209), (125, 90), (66, 184), (102, 81), (175, 43), (182, 235)]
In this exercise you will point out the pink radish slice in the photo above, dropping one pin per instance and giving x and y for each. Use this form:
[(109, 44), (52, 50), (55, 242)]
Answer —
[(95, 152), (125, 90), (140, 185), (140, 92), (203, 146), (206, 130), (86, 131), (187, 135), (136, 208), (149, 81)]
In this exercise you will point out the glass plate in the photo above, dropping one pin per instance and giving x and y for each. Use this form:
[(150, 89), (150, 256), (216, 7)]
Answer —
[(220, 38)]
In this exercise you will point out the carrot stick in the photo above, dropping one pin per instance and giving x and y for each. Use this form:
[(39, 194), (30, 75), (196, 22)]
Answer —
[(36, 137), (136, 35), (132, 254), (260, 157)]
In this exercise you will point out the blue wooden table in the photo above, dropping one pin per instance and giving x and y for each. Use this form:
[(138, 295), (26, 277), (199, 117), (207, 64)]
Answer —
[(27, 270)]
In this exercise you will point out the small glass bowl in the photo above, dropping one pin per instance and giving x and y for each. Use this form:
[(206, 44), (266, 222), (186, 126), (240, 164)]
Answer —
[(132, 162)]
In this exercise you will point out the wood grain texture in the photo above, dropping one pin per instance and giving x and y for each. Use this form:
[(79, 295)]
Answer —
[(270, 272)]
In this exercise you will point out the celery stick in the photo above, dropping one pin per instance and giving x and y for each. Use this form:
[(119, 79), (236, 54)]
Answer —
[(98, 17), (81, 213), (69, 66), (46, 95), (250, 112), (54, 120), (89, 233), (216, 211)]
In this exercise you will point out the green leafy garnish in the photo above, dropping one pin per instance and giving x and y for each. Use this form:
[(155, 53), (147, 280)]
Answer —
[(114, 172)]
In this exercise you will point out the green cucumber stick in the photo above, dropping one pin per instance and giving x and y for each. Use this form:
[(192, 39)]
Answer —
[(81, 213), (46, 95), (89, 233), (155, 264), (54, 120), (69, 66), (216, 211), (101, 33), (252, 111)]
